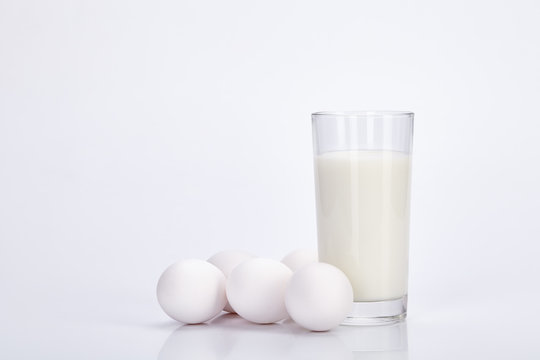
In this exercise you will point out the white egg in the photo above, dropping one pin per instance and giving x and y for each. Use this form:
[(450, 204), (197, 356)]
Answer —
[(226, 261), (319, 296), (192, 291), (300, 257), (256, 290)]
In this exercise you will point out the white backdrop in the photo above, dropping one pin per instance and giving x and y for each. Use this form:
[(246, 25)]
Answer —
[(136, 133)]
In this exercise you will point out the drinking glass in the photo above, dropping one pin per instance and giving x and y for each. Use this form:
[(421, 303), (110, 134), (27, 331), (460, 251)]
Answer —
[(362, 179)]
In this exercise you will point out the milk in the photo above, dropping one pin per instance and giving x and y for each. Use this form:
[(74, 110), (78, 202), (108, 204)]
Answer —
[(363, 219)]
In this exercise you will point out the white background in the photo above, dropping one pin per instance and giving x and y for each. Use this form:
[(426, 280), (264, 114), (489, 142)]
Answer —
[(137, 133)]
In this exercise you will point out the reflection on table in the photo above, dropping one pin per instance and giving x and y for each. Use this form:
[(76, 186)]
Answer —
[(231, 337)]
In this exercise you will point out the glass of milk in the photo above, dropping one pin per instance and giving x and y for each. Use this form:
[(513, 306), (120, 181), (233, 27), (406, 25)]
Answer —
[(362, 181)]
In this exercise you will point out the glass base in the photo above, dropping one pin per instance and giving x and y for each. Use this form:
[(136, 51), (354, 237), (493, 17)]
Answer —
[(377, 312)]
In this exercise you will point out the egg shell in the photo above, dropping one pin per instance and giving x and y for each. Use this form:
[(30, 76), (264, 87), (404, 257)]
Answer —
[(256, 290), (299, 258), (191, 291), (319, 296), (226, 261)]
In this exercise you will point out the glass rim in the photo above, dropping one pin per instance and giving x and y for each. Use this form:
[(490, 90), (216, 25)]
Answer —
[(364, 113)]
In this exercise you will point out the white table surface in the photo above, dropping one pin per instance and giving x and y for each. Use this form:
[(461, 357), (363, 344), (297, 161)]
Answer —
[(495, 329)]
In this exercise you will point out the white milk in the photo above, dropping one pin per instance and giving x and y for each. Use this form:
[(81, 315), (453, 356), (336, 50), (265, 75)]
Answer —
[(363, 219)]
